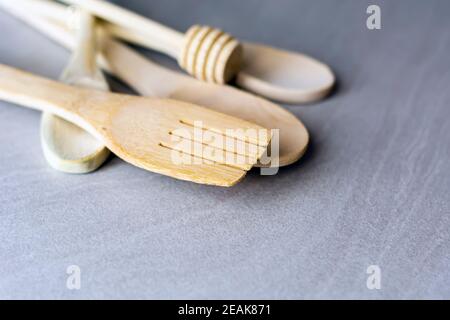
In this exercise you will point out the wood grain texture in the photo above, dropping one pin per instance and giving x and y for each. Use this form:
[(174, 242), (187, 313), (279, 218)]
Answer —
[(146, 131), (372, 189), (153, 80)]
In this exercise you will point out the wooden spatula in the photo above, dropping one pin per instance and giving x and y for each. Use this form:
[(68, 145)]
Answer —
[(169, 137)]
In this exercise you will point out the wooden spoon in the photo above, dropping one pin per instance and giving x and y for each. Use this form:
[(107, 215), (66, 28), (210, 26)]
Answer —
[(276, 74), (284, 76), (151, 79), (67, 147), (169, 137)]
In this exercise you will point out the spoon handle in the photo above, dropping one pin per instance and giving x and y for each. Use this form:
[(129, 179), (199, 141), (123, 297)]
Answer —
[(132, 27), (49, 18), (82, 70), (113, 57), (31, 10), (162, 38), (209, 54)]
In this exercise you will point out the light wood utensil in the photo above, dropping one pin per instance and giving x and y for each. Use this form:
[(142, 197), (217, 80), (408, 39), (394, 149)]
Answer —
[(151, 79), (169, 137), (284, 76), (204, 52), (208, 54), (67, 147)]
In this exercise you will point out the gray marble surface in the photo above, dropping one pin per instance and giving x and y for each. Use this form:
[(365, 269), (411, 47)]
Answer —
[(373, 188)]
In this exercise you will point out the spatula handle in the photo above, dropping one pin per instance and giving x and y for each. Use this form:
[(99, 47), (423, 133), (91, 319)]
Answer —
[(38, 93)]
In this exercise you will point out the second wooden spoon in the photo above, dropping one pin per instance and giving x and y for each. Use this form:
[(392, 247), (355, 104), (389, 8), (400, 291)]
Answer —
[(67, 147)]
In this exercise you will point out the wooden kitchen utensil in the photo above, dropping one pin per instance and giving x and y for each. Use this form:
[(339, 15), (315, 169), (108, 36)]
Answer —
[(67, 147), (204, 52), (208, 54), (169, 137), (151, 79)]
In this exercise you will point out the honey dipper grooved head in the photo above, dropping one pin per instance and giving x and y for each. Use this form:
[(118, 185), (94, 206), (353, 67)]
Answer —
[(210, 54)]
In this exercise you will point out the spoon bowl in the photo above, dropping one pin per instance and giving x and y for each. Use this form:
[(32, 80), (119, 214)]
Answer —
[(284, 76)]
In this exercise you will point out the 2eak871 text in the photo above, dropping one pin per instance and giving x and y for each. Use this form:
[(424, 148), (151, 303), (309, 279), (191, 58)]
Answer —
[(231, 309)]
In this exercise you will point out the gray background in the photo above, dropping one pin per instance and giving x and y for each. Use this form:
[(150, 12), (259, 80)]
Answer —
[(372, 189)]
